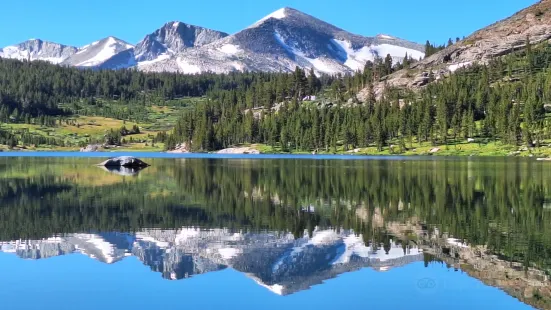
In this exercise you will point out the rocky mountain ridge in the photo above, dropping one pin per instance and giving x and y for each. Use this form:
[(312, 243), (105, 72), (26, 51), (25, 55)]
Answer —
[(498, 39), (35, 49), (173, 38)]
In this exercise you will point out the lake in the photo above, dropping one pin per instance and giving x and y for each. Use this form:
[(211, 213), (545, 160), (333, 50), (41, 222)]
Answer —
[(274, 232)]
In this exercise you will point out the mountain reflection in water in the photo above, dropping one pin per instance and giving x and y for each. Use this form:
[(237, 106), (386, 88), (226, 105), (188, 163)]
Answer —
[(288, 224), (276, 261)]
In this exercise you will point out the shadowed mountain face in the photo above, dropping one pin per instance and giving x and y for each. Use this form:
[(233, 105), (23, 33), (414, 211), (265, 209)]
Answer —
[(174, 38), (288, 224)]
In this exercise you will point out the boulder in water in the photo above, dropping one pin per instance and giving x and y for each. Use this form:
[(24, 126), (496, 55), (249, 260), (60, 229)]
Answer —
[(124, 161)]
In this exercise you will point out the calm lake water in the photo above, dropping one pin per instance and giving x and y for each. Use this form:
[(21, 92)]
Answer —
[(274, 233)]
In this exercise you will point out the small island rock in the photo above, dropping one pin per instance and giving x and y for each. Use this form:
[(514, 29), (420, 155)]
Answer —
[(123, 161)]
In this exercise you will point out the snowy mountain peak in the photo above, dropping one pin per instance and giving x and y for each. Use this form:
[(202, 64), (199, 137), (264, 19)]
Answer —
[(36, 49), (279, 14), (174, 37), (385, 36), (109, 52)]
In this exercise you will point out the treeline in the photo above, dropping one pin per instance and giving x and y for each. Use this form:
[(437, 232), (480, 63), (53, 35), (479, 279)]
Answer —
[(503, 101), (431, 48), (32, 89)]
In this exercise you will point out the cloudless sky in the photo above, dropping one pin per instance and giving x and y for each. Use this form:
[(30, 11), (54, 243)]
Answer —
[(81, 22)]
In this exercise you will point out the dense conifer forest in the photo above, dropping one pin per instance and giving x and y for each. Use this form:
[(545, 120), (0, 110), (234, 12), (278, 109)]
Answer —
[(503, 101)]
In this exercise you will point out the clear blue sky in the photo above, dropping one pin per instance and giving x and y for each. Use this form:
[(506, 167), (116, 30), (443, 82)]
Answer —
[(81, 22)]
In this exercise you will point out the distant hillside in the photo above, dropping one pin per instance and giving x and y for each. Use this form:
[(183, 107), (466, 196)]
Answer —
[(498, 39)]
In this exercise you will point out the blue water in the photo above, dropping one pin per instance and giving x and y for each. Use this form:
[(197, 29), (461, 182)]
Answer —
[(78, 282), (85, 281)]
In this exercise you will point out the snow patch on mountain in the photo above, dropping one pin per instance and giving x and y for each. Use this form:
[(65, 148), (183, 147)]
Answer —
[(353, 245), (109, 50), (397, 52), (460, 65), (276, 288), (279, 14), (229, 253), (186, 233), (145, 64), (319, 64), (187, 68), (35, 49), (92, 245), (147, 238), (324, 237), (319, 238), (229, 49), (355, 58), (83, 48)]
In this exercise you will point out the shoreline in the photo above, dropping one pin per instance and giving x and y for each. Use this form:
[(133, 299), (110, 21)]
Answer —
[(214, 155), (490, 150)]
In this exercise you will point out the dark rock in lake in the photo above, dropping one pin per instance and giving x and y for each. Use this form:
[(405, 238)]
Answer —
[(124, 161)]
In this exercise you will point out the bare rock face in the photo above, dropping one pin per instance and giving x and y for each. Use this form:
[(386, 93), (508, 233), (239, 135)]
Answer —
[(36, 49), (181, 148), (91, 148), (496, 40), (124, 161), (239, 150), (173, 38)]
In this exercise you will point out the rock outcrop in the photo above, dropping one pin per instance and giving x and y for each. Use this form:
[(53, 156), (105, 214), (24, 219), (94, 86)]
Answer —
[(239, 150), (181, 148), (91, 148)]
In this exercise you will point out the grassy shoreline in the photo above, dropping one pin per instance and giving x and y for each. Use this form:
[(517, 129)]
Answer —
[(492, 149)]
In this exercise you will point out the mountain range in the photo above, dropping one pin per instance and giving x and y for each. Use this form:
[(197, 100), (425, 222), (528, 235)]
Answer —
[(281, 41)]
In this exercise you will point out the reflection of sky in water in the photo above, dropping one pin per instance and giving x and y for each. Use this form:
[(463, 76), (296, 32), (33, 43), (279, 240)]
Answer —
[(78, 282)]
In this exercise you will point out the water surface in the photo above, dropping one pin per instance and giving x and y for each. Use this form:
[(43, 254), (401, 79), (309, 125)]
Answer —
[(269, 232)]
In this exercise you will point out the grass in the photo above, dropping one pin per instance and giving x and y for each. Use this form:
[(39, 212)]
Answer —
[(81, 129), (458, 149)]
